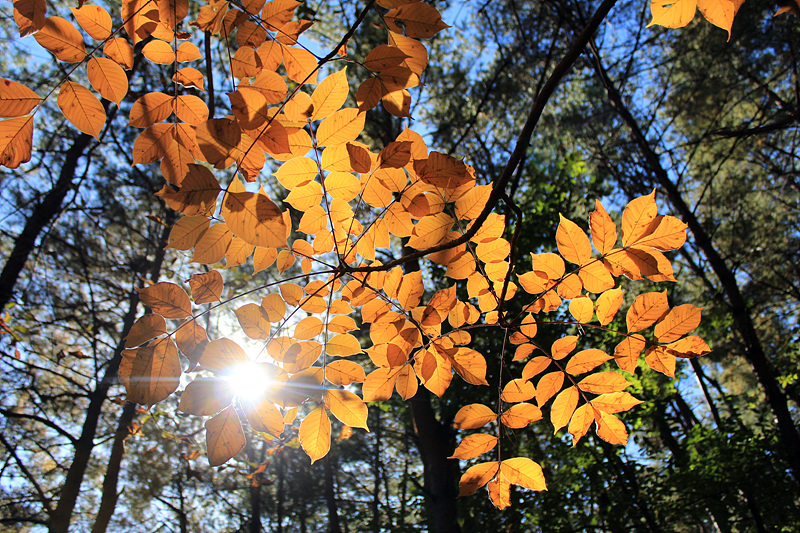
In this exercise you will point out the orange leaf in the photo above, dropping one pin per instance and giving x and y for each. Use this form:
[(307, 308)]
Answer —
[(198, 192), (212, 245), (145, 328), (192, 339), (523, 472), (343, 345), (604, 231), (473, 446), (254, 321), (595, 277), (473, 416), (611, 429), (189, 77), (159, 52), (254, 218), (151, 108), (419, 20), (16, 141), (29, 15), (407, 383), (520, 415), (119, 51), (581, 422), (637, 217), (330, 94), (548, 386), (62, 39), (343, 372), (224, 436), (470, 365), (434, 371), (499, 493), (476, 477), (206, 287), (563, 347), (573, 244), (222, 355), (187, 51), (108, 78), (615, 402), (586, 360), (264, 416), (16, 99), (347, 407), (535, 366), (688, 347), (205, 397), (315, 434), (582, 309), (647, 309), (677, 322), (191, 109), (607, 305), (518, 390), (167, 299), (379, 384), (627, 352), (81, 108), (340, 127), (660, 360), (308, 328), (603, 383), (151, 373)]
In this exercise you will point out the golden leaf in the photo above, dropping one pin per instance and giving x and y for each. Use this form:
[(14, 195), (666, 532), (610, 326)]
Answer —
[(315, 434), (224, 436)]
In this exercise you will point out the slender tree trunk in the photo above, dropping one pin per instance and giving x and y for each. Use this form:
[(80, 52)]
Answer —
[(376, 472), (62, 514), (435, 442), (108, 501), (42, 215), (330, 496), (754, 351)]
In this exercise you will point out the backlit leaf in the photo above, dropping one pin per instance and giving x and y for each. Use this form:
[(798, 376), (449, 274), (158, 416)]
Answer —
[(647, 309), (16, 99), (222, 356), (205, 397), (677, 322), (573, 244), (604, 231), (582, 309), (627, 352), (520, 415), (29, 15), (476, 477), (523, 472), (107, 78), (81, 108), (347, 407), (159, 52), (151, 108), (607, 305), (330, 94), (62, 39), (689, 347), (581, 422), (16, 141), (343, 345), (254, 218), (518, 390), (548, 386), (586, 360), (343, 372), (615, 402), (603, 383), (254, 321), (315, 434), (611, 429), (224, 437), (264, 416), (419, 20), (150, 373), (145, 328), (167, 299), (340, 127), (638, 214), (206, 287), (660, 360), (474, 416), (473, 446)]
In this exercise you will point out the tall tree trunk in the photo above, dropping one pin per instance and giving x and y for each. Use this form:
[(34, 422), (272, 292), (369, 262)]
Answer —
[(754, 351), (330, 496), (108, 501), (42, 215)]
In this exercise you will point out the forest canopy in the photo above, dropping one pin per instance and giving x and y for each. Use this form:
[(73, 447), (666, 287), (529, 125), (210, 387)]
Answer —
[(282, 265)]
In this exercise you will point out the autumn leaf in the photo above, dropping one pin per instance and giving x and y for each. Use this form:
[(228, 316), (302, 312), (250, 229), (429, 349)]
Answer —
[(315, 434), (473, 446), (224, 436), (476, 477), (81, 108), (167, 299), (473, 416), (150, 373)]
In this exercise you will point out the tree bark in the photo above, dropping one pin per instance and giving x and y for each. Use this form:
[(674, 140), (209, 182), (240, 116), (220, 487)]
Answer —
[(108, 501)]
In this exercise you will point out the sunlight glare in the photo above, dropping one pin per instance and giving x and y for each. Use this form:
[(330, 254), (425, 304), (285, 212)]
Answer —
[(249, 381)]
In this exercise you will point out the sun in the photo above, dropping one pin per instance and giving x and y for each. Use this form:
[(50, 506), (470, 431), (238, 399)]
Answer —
[(249, 381)]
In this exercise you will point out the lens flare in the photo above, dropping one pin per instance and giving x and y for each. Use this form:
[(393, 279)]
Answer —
[(249, 381)]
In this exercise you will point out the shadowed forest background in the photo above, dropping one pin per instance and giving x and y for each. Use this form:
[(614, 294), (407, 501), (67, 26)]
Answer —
[(711, 125)]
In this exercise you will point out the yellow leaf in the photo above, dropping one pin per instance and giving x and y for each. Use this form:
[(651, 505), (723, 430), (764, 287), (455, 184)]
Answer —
[(573, 244), (119, 51), (472, 446), (205, 397), (688, 347), (672, 13), (660, 360), (254, 321), (473, 416), (191, 109), (189, 77), (406, 384), (419, 20), (151, 108), (218, 139), (611, 429), (647, 309), (62, 39), (107, 78), (595, 277), (720, 13), (348, 408), (434, 371), (476, 477), (470, 365), (586, 360), (315, 434), (16, 99), (563, 347), (581, 422), (604, 231), (615, 402), (344, 373), (167, 299), (469, 205), (150, 373), (212, 245), (308, 328), (379, 384), (206, 287), (603, 383), (608, 304), (520, 415), (159, 52), (222, 356), (523, 472), (82, 108), (677, 322), (518, 390), (535, 366), (340, 127), (548, 386), (669, 234), (411, 290), (192, 339), (343, 345), (224, 436), (330, 94), (639, 213), (254, 218), (416, 51), (582, 309), (627, 352), (187, 51), (264, 416), (499, 493), (300, 64)]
